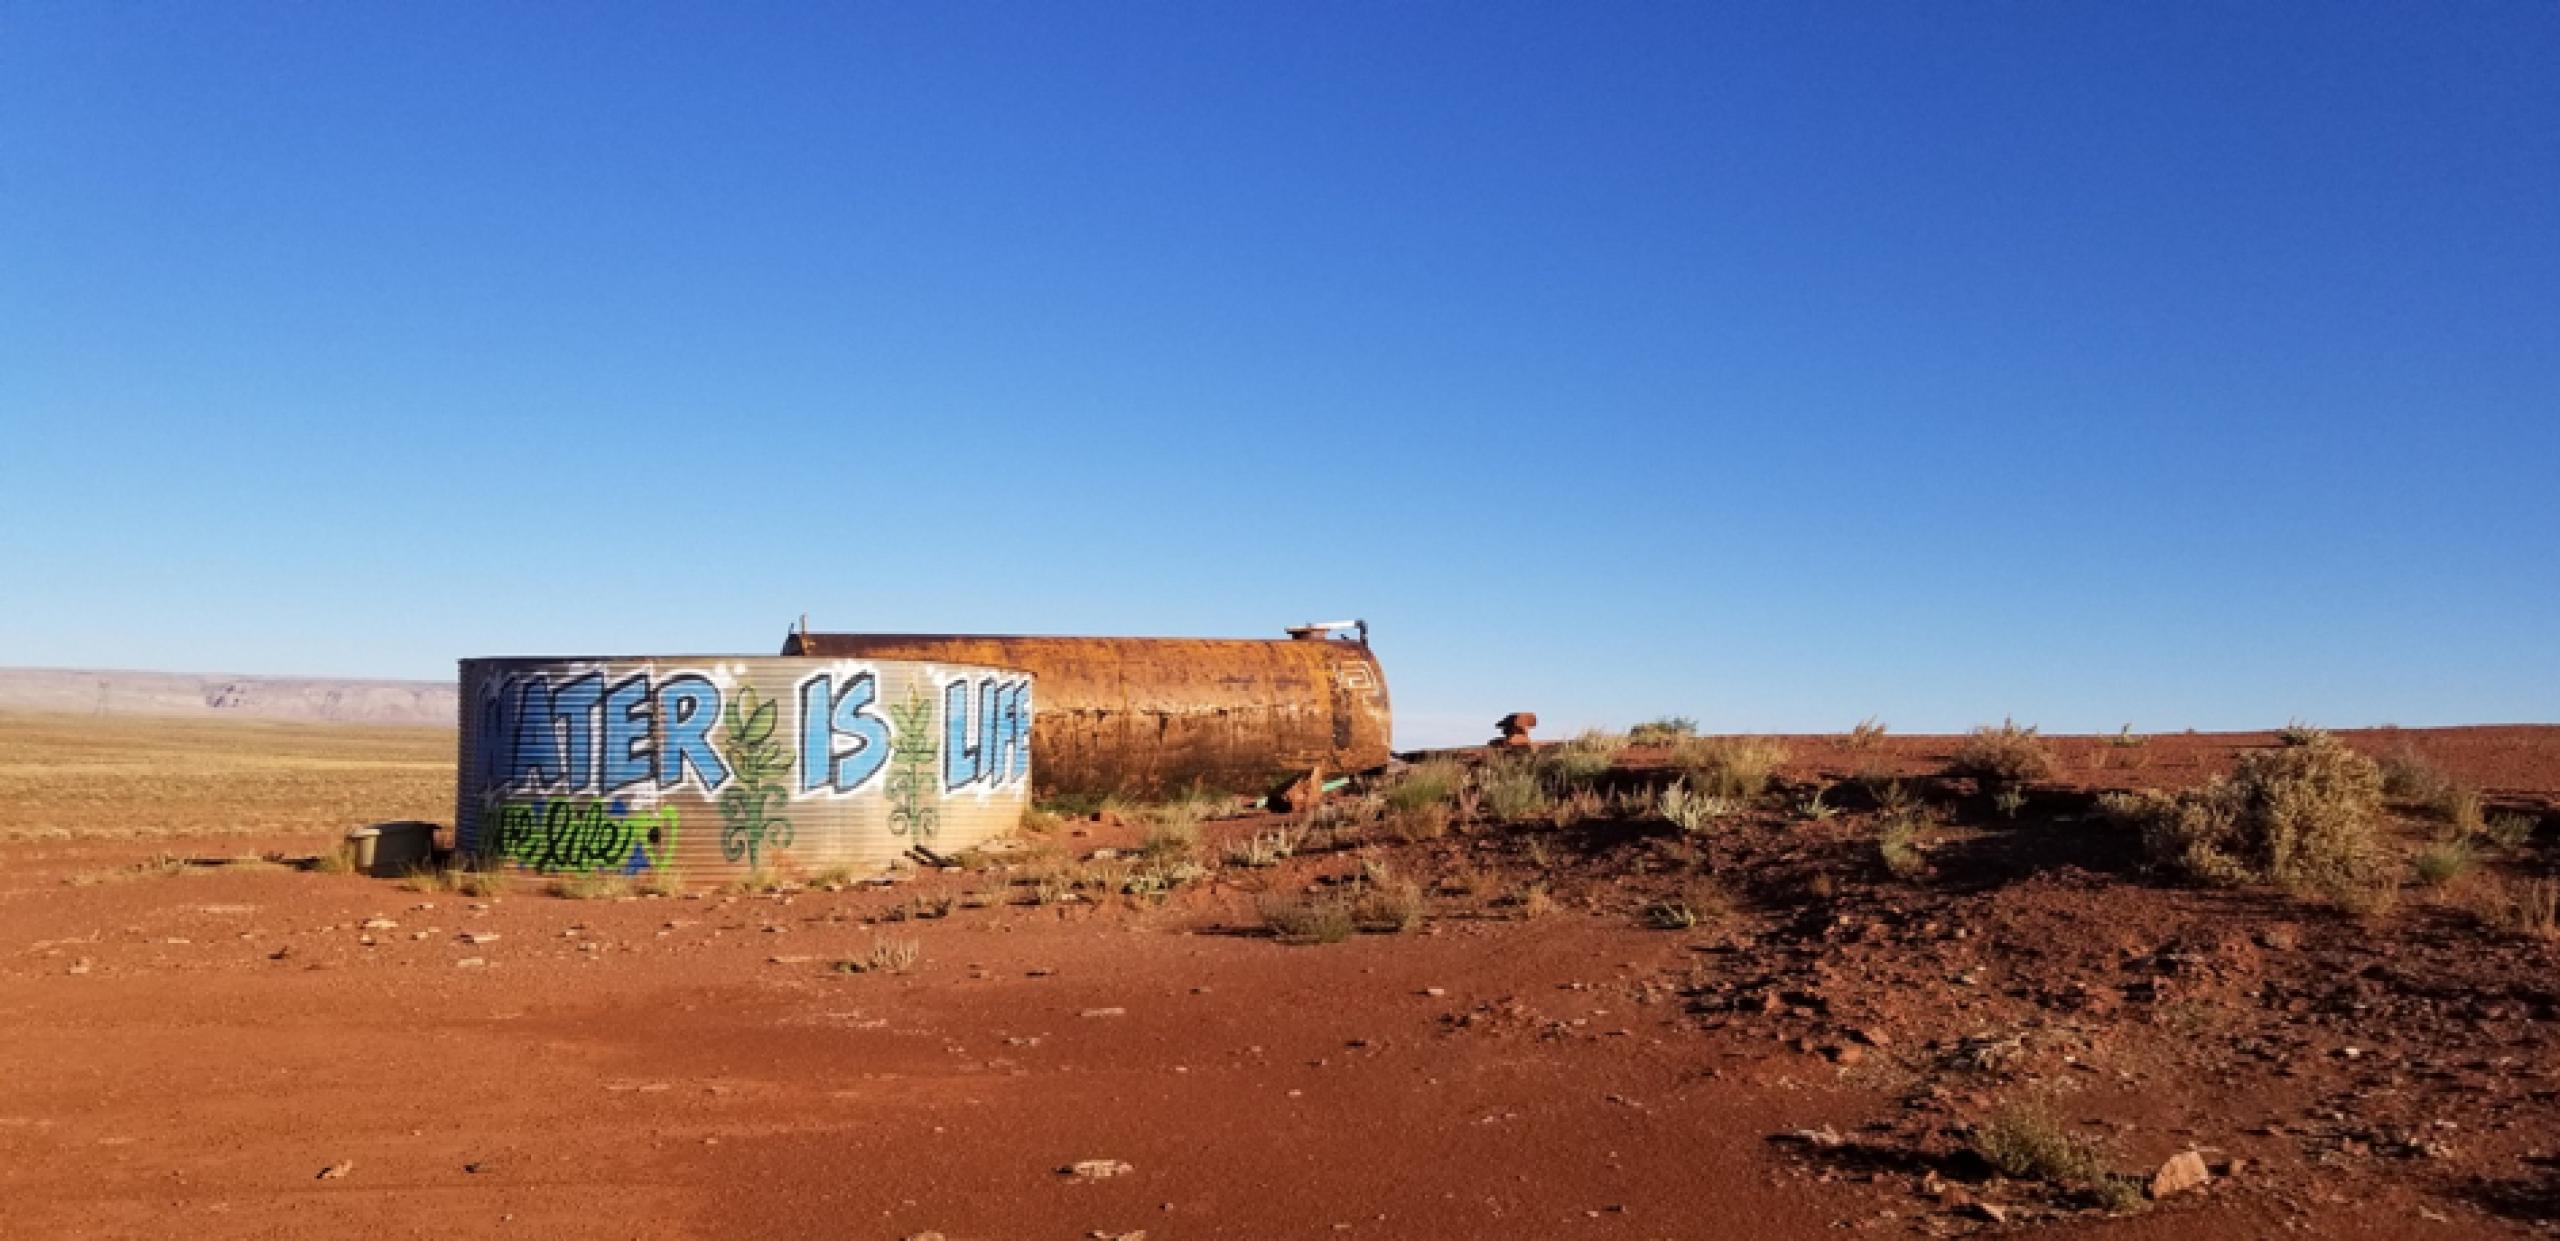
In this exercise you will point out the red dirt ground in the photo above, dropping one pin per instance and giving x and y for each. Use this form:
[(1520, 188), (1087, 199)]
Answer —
[(188, 1054)]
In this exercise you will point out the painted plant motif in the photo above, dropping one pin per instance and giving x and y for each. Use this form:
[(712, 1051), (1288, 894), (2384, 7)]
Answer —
[(912, 786), (758, 763)]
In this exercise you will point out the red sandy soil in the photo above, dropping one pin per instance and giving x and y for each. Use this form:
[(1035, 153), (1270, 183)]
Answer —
[(187, 1054)]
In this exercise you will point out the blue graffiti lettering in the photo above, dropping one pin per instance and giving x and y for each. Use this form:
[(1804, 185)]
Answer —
[(842, 743)]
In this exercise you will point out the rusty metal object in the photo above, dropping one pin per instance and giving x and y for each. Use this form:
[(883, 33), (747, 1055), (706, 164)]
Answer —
[(1146, 716), (683, 770)]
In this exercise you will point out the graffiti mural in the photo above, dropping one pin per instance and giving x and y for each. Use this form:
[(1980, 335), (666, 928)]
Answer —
[(598, 765)]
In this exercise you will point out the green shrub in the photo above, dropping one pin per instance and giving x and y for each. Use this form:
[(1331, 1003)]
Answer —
[(2508, 830), (2003, 757), (1898, 842)]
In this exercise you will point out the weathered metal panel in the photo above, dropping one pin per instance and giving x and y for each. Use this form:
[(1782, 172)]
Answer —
[(711, 767), (1149, 715)]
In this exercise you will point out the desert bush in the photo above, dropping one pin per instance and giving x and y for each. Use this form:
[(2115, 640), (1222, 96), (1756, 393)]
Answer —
[(1427, 783), (1173, 837), (885, 956), (1579, 806), (2003, 757), (1388, 905), (2444, 861), (1584, 759), (1866, 736), (2009, 802), (1038, 821), (1300, 920), (2300, 815), (340, 860), (1513, 793), (1816, 809), (2408, 776), (1739, 767), (1413, 824), (1534, 902), (1669, 730), (2024, 1141), (2299, 732), (2127, 739), (2508, 830)]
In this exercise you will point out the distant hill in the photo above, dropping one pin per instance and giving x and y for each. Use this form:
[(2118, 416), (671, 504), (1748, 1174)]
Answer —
[(89, 691)]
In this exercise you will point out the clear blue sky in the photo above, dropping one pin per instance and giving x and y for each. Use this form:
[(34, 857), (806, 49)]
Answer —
[(2180, 364)]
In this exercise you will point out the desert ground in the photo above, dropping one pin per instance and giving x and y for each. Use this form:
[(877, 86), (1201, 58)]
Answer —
[(1685, 987)]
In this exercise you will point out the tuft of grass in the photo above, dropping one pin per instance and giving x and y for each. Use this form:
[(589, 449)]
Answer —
[(1669, 730), (1866, 736), (2009, 802), (2025, 1142), (337, 861), (885, 956), (1039, 821), (1688, 810), (1300, 920), (1264, 849), (1581, 761), (1898, 842), (2458, 806), (1512, 793), (2127, 739), (596, 885), (1432, 782), (2002, 757), (1534, 902), (1700, 904), (2302, 815), (2300, 732), (2445, 861), (1816, 809), (431, 877), (1736, 767), (485, 878)]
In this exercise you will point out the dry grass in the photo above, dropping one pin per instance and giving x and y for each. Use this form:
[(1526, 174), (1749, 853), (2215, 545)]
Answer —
[(70, 777), (1512, 792), (592, 886), (2527, 907), (885, 956), (1866, 736), (1738, 767), (2443, 862), (1581, 761), (1669, 730)]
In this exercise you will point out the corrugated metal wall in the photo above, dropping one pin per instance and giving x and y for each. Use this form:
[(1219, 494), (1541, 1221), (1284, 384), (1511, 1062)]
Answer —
[(711, 767), (1155, 715)]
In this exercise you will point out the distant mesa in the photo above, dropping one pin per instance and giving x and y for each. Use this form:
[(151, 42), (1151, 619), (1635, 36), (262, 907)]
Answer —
[(94, 691)]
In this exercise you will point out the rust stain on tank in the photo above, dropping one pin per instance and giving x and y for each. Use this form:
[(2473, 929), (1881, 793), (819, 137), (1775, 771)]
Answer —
[(1145, 716)]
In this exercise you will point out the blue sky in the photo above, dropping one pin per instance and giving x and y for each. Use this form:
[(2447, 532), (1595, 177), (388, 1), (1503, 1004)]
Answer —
[(1778, 365)]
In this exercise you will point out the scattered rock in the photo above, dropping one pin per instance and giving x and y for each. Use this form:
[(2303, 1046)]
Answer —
[(1992, 1211), (1096, 1169), (380, 924), (1105, 1012), (2184, 1171), (471, 963), (336, 1170)]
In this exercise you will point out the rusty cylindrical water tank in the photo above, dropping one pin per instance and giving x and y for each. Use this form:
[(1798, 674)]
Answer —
[(701, 768), (1147, 716)]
